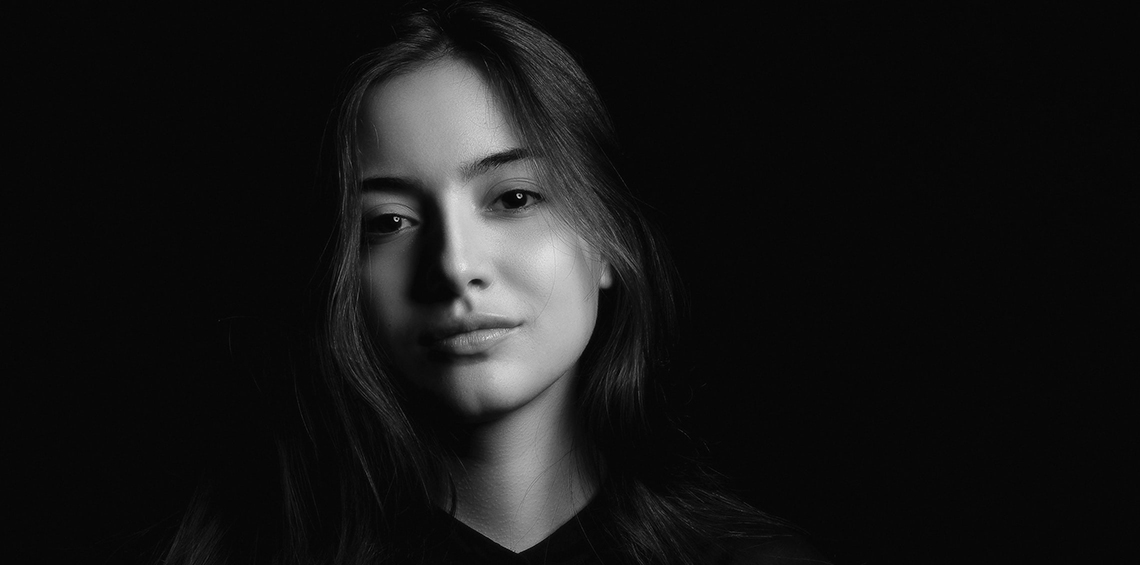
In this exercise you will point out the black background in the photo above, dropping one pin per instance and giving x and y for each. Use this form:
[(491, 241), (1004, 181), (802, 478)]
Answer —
[(904, 230)]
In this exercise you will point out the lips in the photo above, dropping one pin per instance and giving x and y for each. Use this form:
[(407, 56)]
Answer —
[(471, 335)]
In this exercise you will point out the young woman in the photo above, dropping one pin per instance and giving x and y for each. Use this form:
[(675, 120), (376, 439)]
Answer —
[(495, 328)]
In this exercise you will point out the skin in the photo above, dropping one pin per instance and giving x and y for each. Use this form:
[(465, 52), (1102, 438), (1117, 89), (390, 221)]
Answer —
[(459, 233)]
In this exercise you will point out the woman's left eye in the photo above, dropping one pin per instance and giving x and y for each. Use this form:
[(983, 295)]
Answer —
[(517, 199)]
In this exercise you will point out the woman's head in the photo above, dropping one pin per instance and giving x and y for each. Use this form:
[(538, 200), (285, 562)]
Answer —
[(545, 143), (476, 289)]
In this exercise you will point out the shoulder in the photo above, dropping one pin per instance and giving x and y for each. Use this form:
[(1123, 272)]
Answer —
[(774, 550)]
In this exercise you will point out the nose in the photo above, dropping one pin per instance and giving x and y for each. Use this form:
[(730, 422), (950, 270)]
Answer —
[(456, 256)]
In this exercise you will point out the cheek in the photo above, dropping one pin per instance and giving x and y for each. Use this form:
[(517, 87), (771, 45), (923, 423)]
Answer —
[(543, 263), (559, 276), (536, 267), (383, 286)]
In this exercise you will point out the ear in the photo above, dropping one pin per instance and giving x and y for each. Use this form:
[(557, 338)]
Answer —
[(607, 279)]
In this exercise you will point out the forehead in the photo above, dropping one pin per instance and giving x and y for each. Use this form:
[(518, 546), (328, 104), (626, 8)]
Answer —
[(431, 119)]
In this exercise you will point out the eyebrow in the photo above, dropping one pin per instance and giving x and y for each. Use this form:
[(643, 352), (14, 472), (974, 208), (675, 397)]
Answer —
[(492, 161), (468, 171)]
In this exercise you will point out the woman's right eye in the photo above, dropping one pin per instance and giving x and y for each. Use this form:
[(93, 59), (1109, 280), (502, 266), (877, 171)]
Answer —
[(386, 224)]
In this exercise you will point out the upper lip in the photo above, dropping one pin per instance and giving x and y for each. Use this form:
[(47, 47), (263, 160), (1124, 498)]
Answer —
[(469, 323)]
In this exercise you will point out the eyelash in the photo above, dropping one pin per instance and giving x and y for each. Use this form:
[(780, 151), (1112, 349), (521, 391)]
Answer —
[(533, 197), (378, 225), (401, 223)]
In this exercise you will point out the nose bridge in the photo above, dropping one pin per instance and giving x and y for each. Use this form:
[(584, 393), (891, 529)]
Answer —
[(462, 257)]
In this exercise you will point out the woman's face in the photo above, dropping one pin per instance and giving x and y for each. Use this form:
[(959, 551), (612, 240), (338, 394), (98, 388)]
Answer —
[(479, 293)]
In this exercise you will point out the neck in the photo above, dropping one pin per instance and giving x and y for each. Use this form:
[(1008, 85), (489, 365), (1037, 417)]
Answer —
[(521, 476)]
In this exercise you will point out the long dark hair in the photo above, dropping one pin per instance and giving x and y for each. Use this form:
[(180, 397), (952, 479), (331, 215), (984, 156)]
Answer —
[(369, 441)]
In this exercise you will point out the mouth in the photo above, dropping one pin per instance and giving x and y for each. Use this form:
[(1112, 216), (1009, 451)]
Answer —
[(471, 336)]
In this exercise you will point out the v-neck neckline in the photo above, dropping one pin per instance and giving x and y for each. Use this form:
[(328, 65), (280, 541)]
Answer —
[(580, 536)]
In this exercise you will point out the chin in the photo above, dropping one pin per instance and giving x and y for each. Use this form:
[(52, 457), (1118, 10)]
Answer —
[(477, 398)]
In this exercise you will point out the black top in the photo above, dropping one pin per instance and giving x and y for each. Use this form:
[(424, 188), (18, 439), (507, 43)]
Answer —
[(581, 541)]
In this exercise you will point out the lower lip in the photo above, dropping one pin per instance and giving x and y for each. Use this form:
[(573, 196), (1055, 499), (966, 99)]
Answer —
[(470, 343)]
